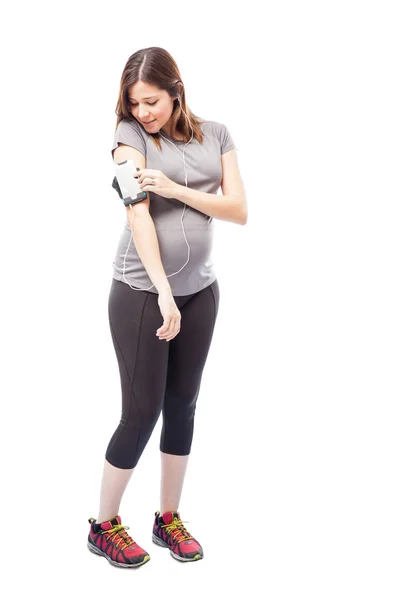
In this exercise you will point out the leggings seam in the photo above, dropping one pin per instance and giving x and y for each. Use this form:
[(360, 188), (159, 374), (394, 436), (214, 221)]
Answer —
[(133, 378), (131, 393), (127, 373)]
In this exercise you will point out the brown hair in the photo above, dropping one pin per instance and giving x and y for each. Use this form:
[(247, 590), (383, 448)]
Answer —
[(156, 66)]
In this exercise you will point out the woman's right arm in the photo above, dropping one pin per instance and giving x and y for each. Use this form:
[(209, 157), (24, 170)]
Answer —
[(142, 226)]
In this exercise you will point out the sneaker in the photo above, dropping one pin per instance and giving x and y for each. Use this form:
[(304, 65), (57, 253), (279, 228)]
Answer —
[(109, 539), (169, 532)]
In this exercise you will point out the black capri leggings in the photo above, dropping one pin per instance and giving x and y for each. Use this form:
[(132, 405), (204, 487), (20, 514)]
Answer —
[(156, 374)]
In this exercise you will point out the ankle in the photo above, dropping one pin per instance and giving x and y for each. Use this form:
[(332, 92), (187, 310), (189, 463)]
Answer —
[(102, 519)]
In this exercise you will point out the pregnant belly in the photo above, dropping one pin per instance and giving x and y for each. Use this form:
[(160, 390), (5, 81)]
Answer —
[(174, 249)]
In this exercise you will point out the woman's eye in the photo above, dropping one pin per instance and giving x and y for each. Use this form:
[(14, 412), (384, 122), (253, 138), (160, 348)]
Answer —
[(151, 103)]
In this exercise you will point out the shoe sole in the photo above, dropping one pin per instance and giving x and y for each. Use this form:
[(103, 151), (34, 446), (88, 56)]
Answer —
[(96, 550), (163, 544)]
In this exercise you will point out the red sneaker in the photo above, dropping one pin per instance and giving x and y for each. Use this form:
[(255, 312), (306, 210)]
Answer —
[(169, 532), (109, 539)]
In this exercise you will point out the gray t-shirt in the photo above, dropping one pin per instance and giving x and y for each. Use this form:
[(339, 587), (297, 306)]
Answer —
[(204, 173)]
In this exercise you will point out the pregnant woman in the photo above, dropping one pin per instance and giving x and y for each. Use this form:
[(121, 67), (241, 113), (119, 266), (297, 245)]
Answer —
[(164, 295)]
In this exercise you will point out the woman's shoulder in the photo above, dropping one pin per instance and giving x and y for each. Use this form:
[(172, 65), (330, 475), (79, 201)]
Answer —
[(212, 128), (208, 123), (135, 125)]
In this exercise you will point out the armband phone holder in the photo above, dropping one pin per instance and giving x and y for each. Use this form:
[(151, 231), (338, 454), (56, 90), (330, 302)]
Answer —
[(125, 183)]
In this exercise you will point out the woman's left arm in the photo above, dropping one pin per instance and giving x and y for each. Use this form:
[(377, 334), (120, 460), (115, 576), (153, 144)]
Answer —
[(232, 205)]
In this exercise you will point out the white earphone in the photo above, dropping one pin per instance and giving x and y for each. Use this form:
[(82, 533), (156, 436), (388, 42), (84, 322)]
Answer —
[(183, 213)]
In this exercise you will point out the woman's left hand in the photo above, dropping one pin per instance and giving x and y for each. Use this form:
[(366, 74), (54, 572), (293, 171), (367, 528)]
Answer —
[(152, 180)]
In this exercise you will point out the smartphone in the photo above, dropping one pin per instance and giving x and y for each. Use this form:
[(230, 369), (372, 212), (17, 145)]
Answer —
[(126, 178)]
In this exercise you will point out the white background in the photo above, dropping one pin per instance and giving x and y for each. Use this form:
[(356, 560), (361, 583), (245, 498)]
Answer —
[(292, 485)]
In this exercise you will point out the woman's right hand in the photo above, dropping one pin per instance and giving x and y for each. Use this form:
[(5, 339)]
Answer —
[(172, 317)]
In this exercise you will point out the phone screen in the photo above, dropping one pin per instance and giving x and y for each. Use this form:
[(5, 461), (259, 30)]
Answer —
[(126, 175)]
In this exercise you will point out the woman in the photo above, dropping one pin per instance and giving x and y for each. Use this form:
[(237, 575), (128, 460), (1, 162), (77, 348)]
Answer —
[(164, 289)]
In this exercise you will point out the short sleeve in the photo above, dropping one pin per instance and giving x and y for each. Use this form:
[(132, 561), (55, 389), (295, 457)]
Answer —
[(226, 139), (130, 133)]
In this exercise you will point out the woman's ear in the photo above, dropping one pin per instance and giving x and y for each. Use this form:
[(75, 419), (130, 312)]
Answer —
[(180, 88)]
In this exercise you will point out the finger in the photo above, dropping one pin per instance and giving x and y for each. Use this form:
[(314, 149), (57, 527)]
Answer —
[(166, 333), (174, 333), (165, 325), (173, 329), (146, 172), (152, 184), (169, 324), (167, 329), (144, 176)]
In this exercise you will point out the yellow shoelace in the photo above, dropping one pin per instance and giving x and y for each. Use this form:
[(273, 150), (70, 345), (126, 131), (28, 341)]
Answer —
[(180, 535), (118, 531)]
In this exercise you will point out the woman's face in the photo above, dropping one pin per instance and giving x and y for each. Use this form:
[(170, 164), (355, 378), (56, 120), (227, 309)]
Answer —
[(151, 106)]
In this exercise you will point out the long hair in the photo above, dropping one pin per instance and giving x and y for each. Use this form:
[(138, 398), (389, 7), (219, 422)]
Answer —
[(156, 66)]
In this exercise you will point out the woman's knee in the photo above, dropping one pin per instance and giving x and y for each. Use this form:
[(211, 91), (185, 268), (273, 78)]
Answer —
[(128, 442)]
